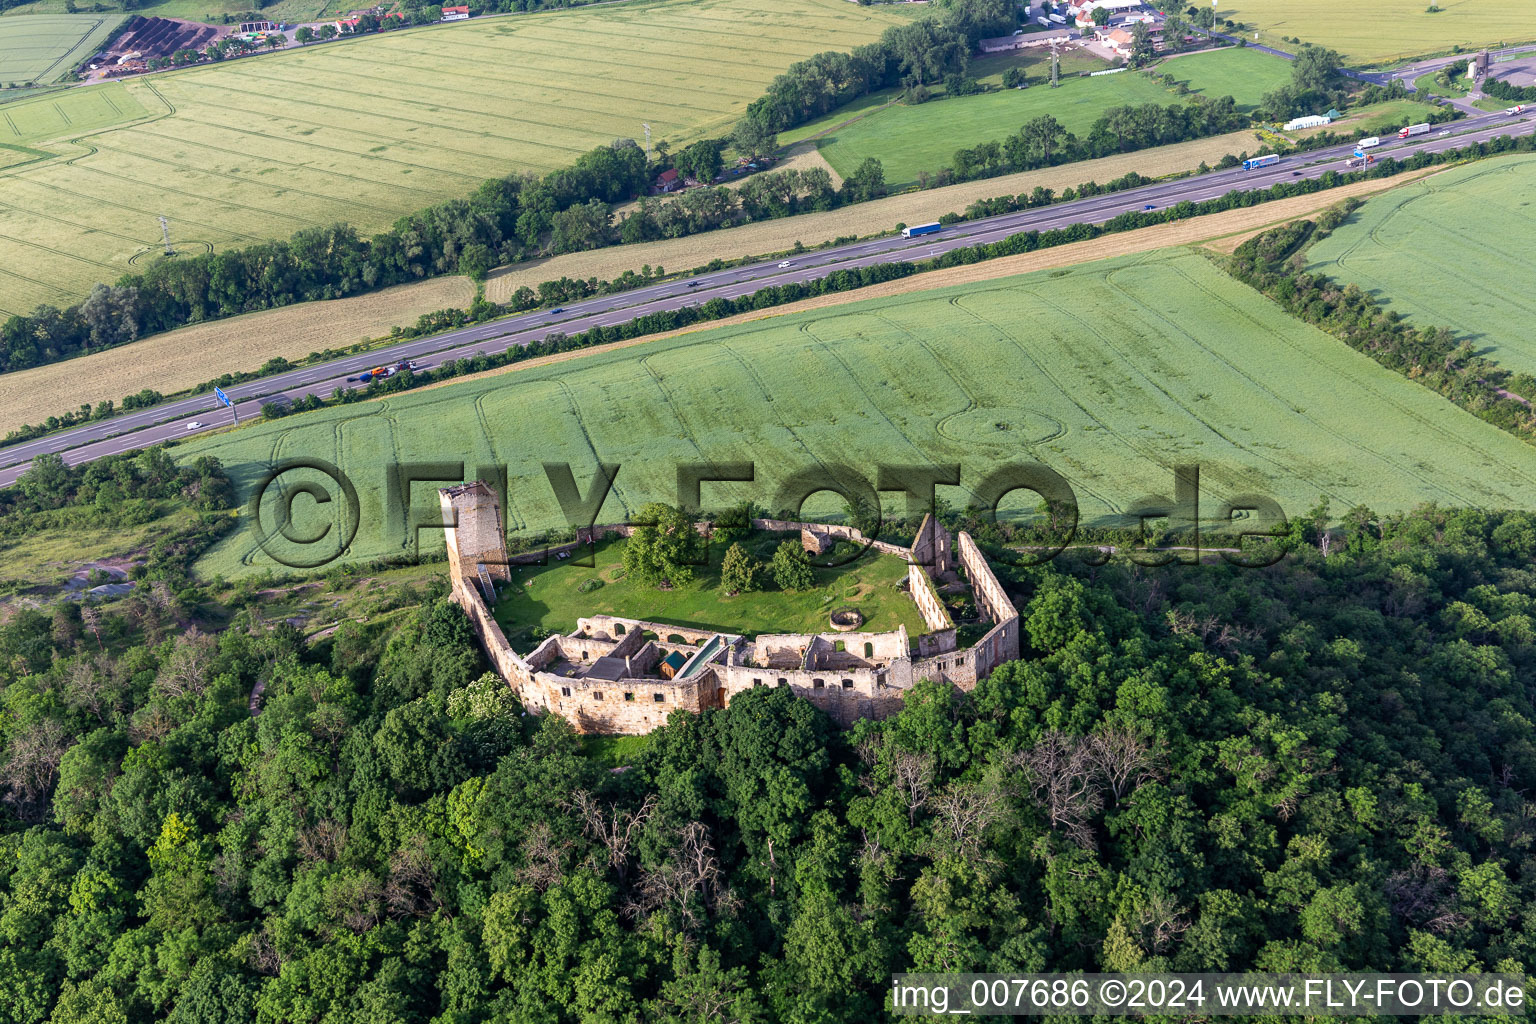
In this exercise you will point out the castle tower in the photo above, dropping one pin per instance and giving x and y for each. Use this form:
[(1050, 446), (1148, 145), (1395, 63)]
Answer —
[(477, 548)]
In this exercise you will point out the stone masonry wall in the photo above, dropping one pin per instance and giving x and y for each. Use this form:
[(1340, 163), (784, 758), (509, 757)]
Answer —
[(988, 594)]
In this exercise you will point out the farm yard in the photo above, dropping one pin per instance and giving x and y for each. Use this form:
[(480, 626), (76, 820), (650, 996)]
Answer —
[(1450, 251), (1108, 372), (1383, 30), (909, 140), (46, 47), (366, 130)]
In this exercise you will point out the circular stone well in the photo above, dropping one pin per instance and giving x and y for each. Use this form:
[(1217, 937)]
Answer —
[(846, 620)]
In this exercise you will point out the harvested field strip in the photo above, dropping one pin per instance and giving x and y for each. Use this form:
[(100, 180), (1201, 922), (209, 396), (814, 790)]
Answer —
[(180, 359)]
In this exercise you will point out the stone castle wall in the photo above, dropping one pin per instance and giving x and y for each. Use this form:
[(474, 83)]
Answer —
[(849, 675)]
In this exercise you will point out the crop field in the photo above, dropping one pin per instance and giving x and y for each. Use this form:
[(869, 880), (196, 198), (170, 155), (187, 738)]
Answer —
[(1237, 71), (184, 358), (45, 47), (210, 11), (1382, 30), (551, 596), (365, 130), (1451, 251), (1109, 372), (908, 139), (59, 113)]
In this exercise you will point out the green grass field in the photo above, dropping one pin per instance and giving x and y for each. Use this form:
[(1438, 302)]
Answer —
[(47, 47), (1451, 251), (1382, 30), (987, 70), (366, 130), (1382, 118), (1427, 83), (548, 596), (1236, 71), (913, 139), (1108, 372), (909, 139)]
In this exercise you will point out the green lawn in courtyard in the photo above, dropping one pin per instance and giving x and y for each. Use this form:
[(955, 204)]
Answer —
[(551, 596)]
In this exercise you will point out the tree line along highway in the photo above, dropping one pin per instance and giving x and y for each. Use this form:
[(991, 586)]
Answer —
[(168, 421)]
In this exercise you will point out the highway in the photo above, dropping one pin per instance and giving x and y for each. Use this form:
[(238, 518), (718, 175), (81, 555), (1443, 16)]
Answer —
[(169, 421)]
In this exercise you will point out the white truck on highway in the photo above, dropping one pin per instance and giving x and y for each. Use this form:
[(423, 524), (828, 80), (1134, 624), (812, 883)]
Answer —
[(1374, 140)]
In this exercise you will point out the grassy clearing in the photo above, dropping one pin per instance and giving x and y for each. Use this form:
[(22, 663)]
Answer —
[(1237, 71), (365, 130), (187, 357), (908, 140), (775, 236), (1427, 83), (1452, 250), (549, 596), (1382, 30), (1109, 372), (47, 47), (1377, 118), (987, 69), (41, 563)]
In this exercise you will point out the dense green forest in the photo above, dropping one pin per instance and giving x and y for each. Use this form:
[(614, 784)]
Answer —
[(1322, 764)]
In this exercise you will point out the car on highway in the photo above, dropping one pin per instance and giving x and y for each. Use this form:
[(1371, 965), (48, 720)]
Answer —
[(1443, 131), (195, 425), (786, 263), (558, 309), (1150, 206), (693, 284)]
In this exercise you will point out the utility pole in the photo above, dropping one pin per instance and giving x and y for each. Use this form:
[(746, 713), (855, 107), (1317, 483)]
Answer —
[(165, 234), (647, 140), (1055, 65)]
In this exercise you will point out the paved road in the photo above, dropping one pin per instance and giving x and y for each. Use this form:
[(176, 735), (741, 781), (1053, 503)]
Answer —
[(169, 421)]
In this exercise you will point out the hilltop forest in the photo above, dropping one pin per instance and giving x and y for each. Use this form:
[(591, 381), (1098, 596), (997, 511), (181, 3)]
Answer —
[(1324, 764)]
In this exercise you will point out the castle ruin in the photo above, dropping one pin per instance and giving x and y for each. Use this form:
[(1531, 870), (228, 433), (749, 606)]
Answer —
[(623, 675)]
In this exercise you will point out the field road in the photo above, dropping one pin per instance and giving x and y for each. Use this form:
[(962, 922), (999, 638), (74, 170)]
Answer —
[(169, 421)]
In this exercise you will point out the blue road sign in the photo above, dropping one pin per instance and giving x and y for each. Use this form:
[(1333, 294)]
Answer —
[(223, 397)]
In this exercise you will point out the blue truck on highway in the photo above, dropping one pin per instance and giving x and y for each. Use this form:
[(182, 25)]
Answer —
[(1260, 161), (921, 229)]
